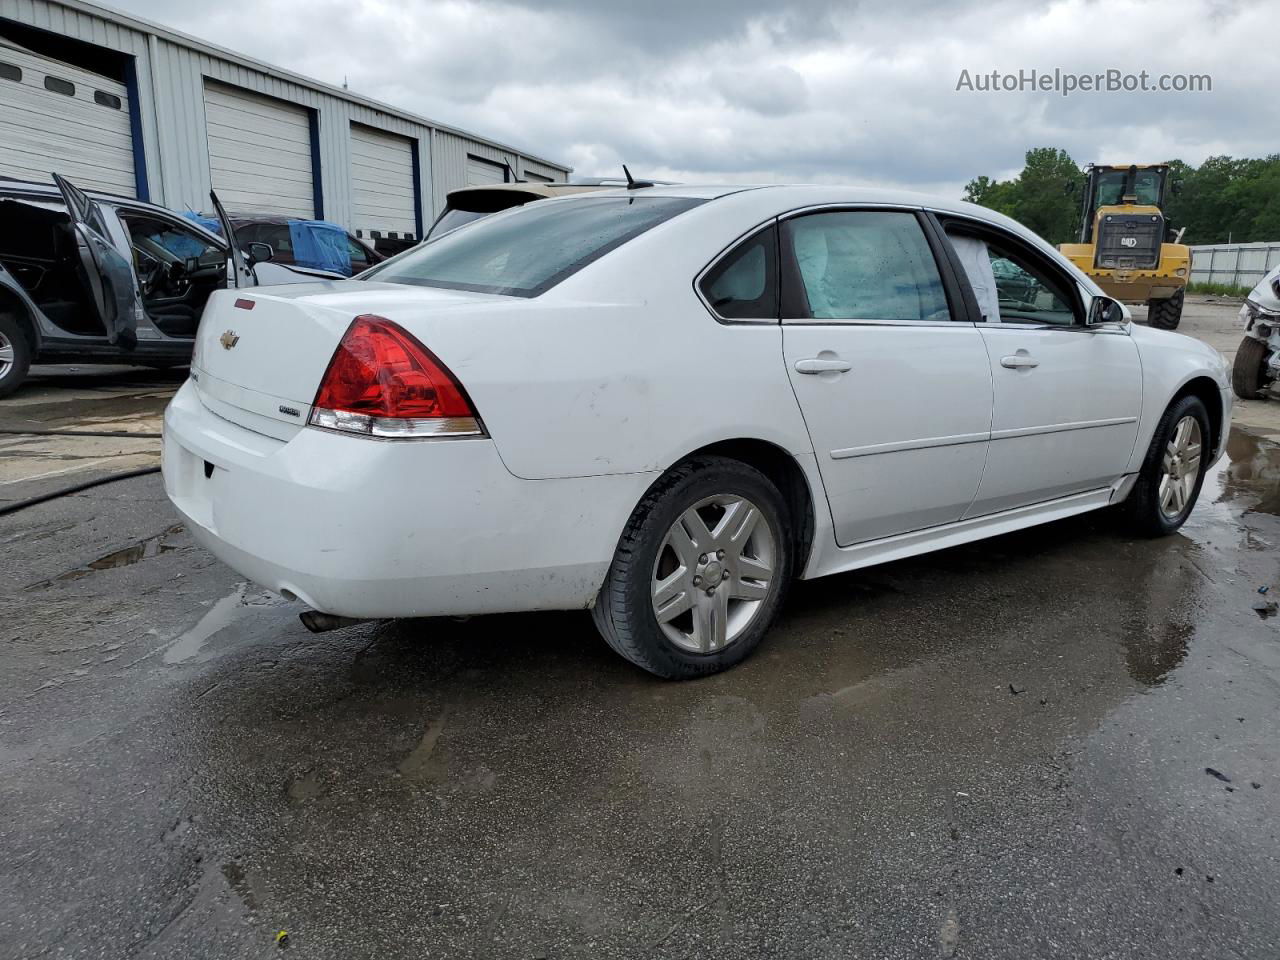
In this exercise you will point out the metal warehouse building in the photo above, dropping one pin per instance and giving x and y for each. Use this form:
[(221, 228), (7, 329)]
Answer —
[(126, 106)]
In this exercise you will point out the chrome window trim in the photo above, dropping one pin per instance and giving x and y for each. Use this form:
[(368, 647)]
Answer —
[(1111, 329), (837, 322)]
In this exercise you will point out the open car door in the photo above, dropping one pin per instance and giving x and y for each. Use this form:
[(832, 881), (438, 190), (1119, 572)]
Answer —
[(109, 274), (242, 272)]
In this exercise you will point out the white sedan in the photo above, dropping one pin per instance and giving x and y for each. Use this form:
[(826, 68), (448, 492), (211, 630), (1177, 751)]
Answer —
[(665, 403)]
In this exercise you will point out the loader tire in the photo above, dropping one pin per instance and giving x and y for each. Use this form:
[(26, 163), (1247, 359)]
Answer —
[(1165, 314)]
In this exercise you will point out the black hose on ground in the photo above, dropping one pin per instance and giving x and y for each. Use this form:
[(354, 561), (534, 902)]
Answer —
[(79, 433), (75, 488)]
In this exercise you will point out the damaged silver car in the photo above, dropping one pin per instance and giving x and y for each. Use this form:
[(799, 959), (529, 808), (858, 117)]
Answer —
[(1257, 364), (94, 278)]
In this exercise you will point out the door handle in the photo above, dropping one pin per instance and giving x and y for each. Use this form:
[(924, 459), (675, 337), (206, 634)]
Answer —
[(818, 365), (1019, 362)]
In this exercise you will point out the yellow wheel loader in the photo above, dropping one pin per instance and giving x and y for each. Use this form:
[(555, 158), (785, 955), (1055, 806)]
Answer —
[(1125, 245)]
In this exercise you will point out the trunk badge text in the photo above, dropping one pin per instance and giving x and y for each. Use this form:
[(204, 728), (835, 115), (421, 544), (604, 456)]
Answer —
[(229, 339), (289, 411)]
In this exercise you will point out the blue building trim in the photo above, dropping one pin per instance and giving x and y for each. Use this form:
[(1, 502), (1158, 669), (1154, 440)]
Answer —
[(135, 130), (317, 189), (417, 187)]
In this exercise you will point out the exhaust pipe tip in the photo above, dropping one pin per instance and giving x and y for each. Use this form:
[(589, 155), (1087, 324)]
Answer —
[(318, 622)]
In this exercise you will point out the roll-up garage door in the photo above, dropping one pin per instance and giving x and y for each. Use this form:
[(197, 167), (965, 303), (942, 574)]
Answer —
[(56, 118), (259, 152), (382, 194), (482, 172)]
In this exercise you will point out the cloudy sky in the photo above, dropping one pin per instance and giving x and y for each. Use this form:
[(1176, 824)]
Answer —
[(768, 90)]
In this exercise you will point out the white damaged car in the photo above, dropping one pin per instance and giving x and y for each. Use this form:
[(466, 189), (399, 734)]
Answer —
[(663, 404), (1257, 363)]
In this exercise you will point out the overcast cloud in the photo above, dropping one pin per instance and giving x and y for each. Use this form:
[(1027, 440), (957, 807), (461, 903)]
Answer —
[(771, 91)]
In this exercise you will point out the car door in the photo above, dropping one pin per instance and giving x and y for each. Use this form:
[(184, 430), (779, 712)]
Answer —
[(108, 273), (241, 272), (1067, 396), (178, 265), (891, 375)]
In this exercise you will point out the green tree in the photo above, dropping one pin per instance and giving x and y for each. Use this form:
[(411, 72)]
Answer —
[(1043, 203), (1038, 196), (1223, 199)]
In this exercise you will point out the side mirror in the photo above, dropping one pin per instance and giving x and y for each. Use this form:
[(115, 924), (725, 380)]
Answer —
[(260, 252), (1069, 187), (1175, 188), (1104, 310)]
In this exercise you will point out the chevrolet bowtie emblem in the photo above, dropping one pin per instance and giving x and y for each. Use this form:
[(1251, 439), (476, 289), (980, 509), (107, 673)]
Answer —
[(229, 339)]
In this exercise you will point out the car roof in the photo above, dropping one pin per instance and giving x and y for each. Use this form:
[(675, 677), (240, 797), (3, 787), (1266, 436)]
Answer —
[(775, 200), (49, 191), (796, 196), (278, 219)]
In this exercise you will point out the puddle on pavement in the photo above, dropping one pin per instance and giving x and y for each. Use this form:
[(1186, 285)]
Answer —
[(1154, 649), (137, 410), (239, 881), (1250, 473), (152, 546), (221, 615)]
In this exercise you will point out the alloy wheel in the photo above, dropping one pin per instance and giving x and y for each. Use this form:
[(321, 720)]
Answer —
[(1181, 467), (6, 356), (713, 573)]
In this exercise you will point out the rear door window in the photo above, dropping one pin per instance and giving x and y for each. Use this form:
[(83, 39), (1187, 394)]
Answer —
[(527, 251), (865, 265)]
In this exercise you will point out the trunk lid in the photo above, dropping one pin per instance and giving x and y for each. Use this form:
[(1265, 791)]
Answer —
[(261, 352)]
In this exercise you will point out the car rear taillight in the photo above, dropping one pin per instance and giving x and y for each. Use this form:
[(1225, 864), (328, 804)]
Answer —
[(382, 382)]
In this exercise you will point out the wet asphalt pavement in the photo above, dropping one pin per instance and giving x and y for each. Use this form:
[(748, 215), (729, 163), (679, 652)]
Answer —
[(1000, 750)]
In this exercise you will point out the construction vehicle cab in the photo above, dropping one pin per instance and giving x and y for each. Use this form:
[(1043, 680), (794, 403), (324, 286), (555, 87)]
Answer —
[(1125, 243)]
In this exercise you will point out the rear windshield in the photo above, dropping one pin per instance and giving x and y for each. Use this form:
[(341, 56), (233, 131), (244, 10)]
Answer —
[(452, 219), (528, 251)]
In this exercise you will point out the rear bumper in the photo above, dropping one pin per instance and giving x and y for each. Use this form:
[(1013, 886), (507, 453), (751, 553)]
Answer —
[(371, 528)]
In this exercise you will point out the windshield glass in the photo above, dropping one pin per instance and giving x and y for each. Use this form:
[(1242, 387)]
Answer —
[(1146, 186), (1110, 187), (528, 251)]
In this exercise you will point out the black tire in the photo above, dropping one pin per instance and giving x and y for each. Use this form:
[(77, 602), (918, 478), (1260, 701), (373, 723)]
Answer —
[(623, 612), (1144, 514), (1248, 372), (1165, 314), (14, 375)]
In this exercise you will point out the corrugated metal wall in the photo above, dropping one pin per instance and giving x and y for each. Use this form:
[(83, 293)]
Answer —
[(1238, 264), (171, 74)]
